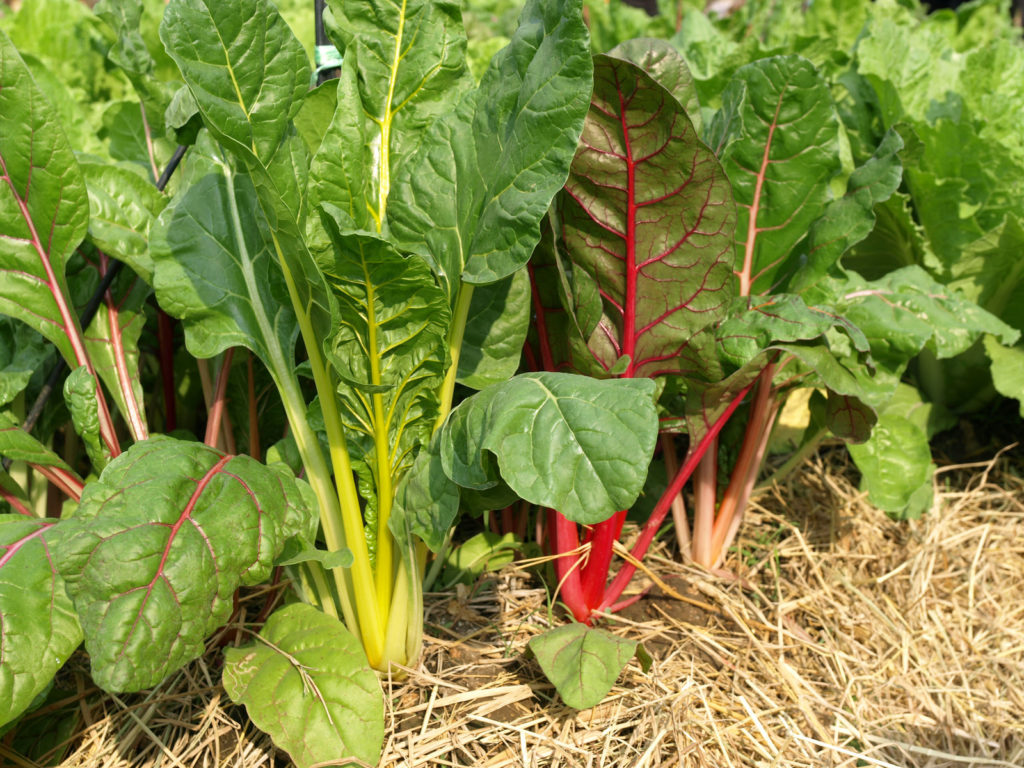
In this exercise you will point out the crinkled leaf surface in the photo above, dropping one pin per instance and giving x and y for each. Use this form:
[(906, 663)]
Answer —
[(80, 398), (571, 443), (389, 347), (426, 500), (44, 208), (158, 546), (777, 136), (583, 663), (648, 216), (38, 626), (306, 682), (123, 207), (486, 172)]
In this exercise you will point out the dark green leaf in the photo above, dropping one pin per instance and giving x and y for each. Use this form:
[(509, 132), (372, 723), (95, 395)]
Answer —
[(492, 346)]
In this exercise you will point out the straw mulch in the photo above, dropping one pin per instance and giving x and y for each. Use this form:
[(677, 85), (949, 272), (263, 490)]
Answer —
[(841, 638)]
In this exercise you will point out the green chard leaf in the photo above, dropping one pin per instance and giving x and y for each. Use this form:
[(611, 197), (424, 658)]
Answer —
[(407, 69), (426, 500), (777, 136), (44, 209), (1007, 369), (40, 629), (493, 342), (22, 351), (667, 67), (306, 682), (571, 443), (582, 662), (486, 171), (193, 524), (18, 445)]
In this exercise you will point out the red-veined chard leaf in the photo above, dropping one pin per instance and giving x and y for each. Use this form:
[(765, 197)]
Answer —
[(38, 626), (408, 68), (160, 543), (44, 209), (485, 173), (777, 136), (648, 215), (306, 682), (571, 443), (584, 663), (667, 67)]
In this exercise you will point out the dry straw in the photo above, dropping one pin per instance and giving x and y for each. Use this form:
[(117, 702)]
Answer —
[(840, 638)]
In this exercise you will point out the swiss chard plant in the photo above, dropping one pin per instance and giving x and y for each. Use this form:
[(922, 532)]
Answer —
[(709, 260), (344, 237)]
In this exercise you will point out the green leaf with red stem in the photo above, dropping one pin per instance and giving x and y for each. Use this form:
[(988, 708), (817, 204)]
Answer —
[(648, 214), (777, 135), (44, 209), (661, 60), (18, 445), (38, 627), (158, 546)]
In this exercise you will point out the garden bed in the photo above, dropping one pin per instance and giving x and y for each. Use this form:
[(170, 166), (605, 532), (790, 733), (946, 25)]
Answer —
[(846, 639)]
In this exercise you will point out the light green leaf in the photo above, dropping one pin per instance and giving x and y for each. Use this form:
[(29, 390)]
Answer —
[(493, 342), (572, 443), (18, 445), (40, 627), (484, 176), (159, 545), (306, 682), (487, 551), (777, 135), (583, 663)]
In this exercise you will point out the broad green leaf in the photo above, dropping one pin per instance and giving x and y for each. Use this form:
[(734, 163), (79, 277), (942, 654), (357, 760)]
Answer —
[(777, 137), (583, 663), (667, 67), (123, 207), (990, 271), (648, 217), (246, 70), (40, 629), (426, 500), (389, 347), (80, 397), (306, 682), (485, 173), (315, 115), (22, 351), (44, 209), (216, 270), (158, 546), (571, 443), (411, 70), (1007, 369), (849, 418), (493, 342), (248, 75)]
